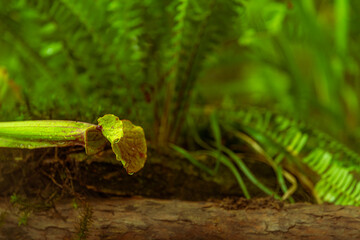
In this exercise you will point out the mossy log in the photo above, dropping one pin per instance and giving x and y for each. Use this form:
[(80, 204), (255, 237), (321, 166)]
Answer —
[(139, 218)]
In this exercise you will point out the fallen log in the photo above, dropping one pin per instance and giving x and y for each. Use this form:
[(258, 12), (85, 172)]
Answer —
[(138, 219)]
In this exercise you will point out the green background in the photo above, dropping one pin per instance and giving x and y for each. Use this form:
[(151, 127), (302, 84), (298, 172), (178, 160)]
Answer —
[(151, 61)]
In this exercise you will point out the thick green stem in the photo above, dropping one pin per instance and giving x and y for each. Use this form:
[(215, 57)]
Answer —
[(127, 140), (43, 133)]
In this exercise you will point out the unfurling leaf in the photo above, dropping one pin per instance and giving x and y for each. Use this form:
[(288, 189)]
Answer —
[(127, 141)]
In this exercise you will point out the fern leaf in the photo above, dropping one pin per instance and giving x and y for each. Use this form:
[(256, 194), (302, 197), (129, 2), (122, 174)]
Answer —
[(334, 164)]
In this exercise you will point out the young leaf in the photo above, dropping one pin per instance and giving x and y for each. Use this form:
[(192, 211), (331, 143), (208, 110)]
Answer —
[(127, 141)]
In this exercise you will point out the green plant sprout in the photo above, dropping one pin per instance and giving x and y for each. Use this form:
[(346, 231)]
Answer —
[(127, 140)]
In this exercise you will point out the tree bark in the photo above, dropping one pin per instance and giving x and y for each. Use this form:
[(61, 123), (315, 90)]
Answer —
[(138, 219)]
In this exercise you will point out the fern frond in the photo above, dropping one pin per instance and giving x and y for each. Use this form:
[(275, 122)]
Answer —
[(26, 50), (79, 35), (101, 44), (209, 29), (337, 183), (127, 22), (335, 165)]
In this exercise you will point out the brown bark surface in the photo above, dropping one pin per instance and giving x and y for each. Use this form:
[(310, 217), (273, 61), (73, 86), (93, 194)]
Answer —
[(137, 218)]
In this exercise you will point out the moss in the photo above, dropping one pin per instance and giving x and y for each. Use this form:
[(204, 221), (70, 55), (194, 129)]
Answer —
[(85, 219)]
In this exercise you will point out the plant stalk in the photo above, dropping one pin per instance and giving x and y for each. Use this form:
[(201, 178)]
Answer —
[(127, 140)]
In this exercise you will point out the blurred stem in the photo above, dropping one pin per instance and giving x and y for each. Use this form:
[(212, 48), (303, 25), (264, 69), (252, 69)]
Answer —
[(341, 9), (227, 162), (187, 83), (44, 133), (248, 173)]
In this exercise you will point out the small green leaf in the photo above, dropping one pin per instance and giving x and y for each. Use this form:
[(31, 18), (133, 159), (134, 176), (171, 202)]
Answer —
[(127, 141)]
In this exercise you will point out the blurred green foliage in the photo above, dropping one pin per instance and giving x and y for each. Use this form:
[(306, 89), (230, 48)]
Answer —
[(157, 62), (151, 60)]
